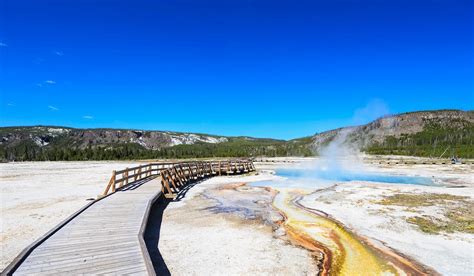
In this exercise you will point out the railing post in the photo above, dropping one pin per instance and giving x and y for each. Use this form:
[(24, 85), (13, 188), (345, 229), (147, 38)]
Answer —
[(126, 176), (137, 174), (183, 173), (170, 176), (165, 183), (113, 181), (177, 176)]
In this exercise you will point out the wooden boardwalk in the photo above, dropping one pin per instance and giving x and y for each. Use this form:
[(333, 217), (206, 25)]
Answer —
[(102, 239), (107, 236)]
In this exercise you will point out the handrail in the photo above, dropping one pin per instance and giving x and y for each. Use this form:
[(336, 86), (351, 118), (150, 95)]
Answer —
[(176, 174)]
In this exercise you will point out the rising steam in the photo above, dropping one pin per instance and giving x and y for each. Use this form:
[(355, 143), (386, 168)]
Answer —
[(343, 154)]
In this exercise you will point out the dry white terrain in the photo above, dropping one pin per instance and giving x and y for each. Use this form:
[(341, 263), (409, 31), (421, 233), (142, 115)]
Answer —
[(358, 206), (36, 196), (355, 205), (199, 239)]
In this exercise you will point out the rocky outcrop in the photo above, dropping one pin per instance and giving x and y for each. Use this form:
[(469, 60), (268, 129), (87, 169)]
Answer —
[(83, 138), (396, 126)]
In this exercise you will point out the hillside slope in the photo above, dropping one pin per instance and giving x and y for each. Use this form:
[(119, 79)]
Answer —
[(422, 133), (62, 143)]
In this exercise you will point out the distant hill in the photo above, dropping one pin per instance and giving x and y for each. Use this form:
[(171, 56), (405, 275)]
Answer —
[(423, 133), (64, 143)]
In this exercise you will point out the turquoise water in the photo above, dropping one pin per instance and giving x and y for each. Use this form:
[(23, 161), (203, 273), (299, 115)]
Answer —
[(345, 176), (319, 178)]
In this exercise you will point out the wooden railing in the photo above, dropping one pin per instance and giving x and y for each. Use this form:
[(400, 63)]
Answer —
[(420, 163), (262, 160), (175, 175)]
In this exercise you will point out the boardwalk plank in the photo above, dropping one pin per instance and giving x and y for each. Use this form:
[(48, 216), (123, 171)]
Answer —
[(86, 250), (91, 267), (102, 239), (85, 255), (80, 260)]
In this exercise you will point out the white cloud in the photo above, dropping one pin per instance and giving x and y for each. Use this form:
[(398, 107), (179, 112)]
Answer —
[(39, 84), (59, 53), (10, 104), (88, 117), (3, 44), (50, 82), (53, 108)]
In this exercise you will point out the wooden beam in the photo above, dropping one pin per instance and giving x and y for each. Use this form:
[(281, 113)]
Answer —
[(111, 182), (165, 183)]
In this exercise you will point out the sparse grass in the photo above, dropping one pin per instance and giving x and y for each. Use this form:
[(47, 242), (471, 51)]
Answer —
[(463, 218), (458, 211), (456, 222), (411, 200), (426, 224)]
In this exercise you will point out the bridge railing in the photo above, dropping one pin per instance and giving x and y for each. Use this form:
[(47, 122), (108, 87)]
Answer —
[(176, 174)]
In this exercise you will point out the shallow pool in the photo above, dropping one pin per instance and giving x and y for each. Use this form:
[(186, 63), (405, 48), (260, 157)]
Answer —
[(320, 178), (345, 176)]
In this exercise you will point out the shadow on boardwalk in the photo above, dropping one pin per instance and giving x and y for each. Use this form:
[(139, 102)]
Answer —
[(153, 229), (135, 184)]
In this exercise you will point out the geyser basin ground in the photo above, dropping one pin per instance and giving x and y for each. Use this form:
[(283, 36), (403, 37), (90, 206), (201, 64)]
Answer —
[(426, 215), (343, 252), (226, 227)]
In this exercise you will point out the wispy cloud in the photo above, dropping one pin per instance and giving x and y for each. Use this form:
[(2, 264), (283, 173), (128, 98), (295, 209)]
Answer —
[(59, 53), (88, 117), (53, 108), (49, 82), (3, 44), (10, 104), (38, 60), (39, 84)]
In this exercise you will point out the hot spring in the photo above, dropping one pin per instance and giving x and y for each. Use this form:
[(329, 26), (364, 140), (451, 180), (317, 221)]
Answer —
[(310, 178)]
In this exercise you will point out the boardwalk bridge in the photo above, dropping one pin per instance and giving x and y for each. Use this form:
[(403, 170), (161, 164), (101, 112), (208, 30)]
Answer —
[(106, 235)]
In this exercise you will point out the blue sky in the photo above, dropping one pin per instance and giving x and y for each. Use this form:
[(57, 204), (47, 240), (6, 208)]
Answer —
[(281, 69)]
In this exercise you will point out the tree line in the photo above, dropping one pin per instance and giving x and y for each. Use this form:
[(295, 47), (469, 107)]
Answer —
[(433, 141), (129, 151)]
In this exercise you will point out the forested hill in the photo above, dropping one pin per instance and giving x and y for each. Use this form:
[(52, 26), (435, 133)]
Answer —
[(63, 143), (423, 133)]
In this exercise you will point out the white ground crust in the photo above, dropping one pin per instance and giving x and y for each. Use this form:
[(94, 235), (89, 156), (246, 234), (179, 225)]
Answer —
[(36, 196), (194, 241), (352, 204)]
